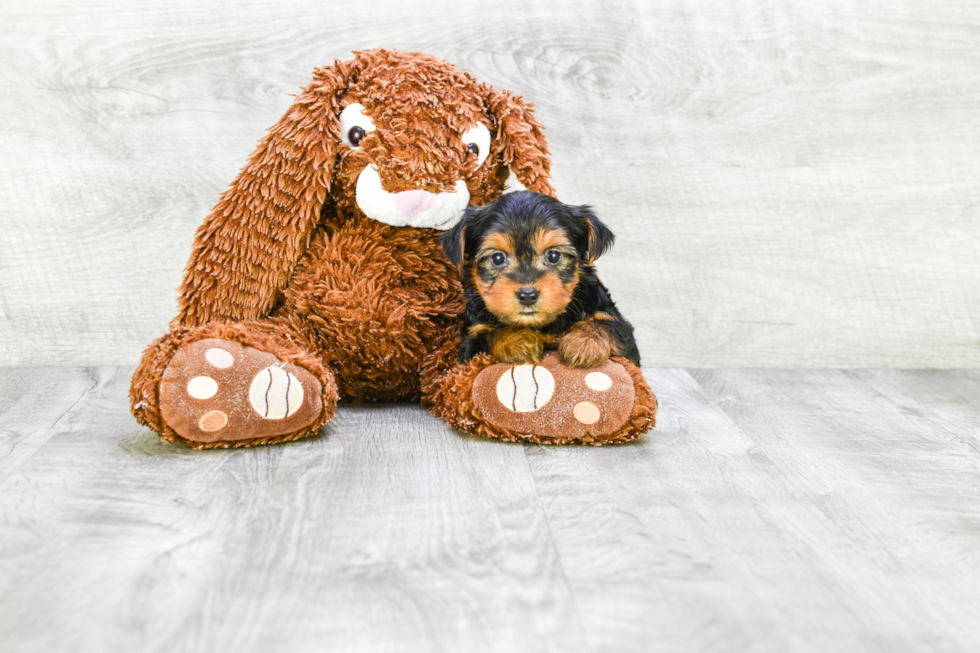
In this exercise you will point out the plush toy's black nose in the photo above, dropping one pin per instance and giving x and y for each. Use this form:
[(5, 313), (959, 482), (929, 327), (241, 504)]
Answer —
[(527, 296)]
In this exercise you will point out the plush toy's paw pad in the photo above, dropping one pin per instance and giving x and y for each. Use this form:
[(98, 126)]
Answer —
[(275, 393), (553, 402), (217, 390)]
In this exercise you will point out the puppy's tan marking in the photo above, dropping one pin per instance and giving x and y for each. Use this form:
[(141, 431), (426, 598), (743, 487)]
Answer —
[(543, 240), (585, 345), (478, 329), (500, 296), (600, 317), (554, 298), (498, 240), (517, 346)]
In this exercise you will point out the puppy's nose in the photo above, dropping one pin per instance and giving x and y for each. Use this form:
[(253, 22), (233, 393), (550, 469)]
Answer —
[(527, 296)]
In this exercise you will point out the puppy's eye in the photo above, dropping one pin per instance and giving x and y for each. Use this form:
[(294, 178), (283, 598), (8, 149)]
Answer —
[(553, 256), (498, 259), (477, 141), (354, 125)]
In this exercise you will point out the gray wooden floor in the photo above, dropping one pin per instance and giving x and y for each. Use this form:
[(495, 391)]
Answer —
[(769, 511)]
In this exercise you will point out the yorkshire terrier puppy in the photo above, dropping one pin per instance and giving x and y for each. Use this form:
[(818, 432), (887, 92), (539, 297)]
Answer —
[(526, 262)]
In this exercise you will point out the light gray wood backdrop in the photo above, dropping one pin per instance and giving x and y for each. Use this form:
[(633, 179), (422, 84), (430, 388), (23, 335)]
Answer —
[(792, 183)]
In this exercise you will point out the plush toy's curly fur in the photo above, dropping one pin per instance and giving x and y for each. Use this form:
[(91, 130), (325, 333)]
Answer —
[(287, 262)]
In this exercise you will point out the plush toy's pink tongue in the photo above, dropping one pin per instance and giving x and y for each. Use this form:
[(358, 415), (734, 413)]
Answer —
[(413, 202)]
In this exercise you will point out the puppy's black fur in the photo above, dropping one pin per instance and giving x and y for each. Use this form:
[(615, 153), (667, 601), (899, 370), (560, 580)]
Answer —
[(521, 218)]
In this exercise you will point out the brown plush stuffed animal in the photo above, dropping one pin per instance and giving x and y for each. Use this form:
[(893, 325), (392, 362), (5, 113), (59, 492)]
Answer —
[(319, 276)]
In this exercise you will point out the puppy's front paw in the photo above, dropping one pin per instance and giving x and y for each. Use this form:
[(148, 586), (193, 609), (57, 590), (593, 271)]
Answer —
[(584, 346), (517, 346)]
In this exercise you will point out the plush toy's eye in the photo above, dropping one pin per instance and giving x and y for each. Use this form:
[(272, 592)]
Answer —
[(477, 140), (355, 135), (498, 259), (354, 125), (553, 256)]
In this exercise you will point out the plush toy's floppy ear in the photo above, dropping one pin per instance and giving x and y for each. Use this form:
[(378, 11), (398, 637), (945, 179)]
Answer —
[(599, 237), (244, 253), (525, 148)]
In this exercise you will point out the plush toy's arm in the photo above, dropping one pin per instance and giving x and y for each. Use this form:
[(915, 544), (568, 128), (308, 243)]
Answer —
[(244, 253)]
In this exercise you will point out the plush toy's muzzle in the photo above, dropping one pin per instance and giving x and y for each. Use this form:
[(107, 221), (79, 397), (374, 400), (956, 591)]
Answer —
[(410, 208), (413, 175)]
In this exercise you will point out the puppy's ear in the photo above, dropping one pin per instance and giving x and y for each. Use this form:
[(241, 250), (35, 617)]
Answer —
[(598, 236), (525, 150), (244, 253), (453, 242)]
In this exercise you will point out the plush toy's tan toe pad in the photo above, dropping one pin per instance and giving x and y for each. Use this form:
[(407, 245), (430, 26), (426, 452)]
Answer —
[(551, 401), (219, 390)]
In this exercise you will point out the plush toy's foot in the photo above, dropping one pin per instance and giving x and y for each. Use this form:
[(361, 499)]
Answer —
[(219, 392), (548, 403)]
